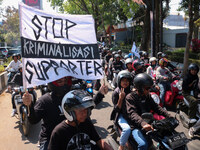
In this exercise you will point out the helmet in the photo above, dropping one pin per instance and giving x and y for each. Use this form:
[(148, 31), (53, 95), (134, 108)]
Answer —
[(14, 55), (141, 80), (164, 55), (135, 64), (144, 54), (76, 99), (162, 60), (119, 51), (123, 74), (117, 55), (128, 60), (152, 59), (141, 53), (19, 55), (159, 54), (113, 53), (126, 57), (58, 90), (193, 67)]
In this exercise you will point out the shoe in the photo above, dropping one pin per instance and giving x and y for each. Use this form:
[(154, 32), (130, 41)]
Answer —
[(191, 132), (14, 111), (192, 121)]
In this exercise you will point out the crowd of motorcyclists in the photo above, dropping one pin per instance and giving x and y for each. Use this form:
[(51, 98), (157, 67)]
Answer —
[(65, 110)]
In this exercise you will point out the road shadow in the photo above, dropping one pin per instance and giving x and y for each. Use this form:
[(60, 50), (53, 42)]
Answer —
[(33, 133), (102, 105)]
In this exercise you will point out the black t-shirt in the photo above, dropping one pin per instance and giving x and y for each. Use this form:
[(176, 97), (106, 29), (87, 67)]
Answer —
[(66, 137)]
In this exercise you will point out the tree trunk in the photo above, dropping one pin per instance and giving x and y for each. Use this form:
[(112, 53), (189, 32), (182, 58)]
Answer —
[(196, 16), (146, 34), (157, 24), (189, 37)]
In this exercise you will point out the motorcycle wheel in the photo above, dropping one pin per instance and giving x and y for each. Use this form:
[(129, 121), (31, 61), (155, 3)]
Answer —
[(25, 122)]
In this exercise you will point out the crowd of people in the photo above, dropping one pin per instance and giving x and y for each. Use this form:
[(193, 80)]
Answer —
[(65, 113)]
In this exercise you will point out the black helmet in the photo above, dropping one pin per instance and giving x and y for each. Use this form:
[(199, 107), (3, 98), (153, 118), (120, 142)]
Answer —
[(159, 54), (137, 63), (76, 99), (58, 90), (193, 67), (14, 55), (141, 53), (123, 74), (141, 80), (128, 60), (19, 55)]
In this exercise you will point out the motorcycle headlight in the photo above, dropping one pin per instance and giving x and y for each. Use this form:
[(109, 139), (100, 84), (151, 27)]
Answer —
[(155, 98), (179, 86)]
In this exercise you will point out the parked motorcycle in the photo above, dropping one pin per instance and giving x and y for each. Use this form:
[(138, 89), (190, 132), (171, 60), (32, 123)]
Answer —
[(23, 110)]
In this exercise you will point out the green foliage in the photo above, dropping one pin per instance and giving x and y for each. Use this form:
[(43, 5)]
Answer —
[(10, 28)]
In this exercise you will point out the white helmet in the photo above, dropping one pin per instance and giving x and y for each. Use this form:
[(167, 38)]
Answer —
[(152, 59)]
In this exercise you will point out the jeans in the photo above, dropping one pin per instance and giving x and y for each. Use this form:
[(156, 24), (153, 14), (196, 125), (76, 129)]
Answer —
[(44, 145), (140, 139), (164, 86), (126, 130)]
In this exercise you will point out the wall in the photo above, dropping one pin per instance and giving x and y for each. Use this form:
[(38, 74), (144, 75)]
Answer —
[(169, 36), (3, 80)]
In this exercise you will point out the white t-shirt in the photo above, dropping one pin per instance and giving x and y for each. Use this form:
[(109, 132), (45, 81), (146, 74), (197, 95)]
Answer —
[(14, 65)]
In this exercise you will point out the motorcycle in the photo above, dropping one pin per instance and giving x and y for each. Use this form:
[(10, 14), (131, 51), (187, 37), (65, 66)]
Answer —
[(164, 136), (11, 73), (23, 110), (44, 89)]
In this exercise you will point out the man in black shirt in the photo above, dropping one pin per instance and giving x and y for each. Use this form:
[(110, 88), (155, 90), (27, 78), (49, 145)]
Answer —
[(48, 108), (77, 132)]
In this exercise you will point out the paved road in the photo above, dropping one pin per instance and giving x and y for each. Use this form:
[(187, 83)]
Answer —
[(12, 138)]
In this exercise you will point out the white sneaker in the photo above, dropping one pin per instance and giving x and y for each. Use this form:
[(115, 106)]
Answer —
[(191, 132), (191, 121), (14, 111)]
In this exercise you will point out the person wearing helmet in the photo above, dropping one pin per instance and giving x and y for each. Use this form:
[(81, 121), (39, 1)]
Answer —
[(159, 56), (151, 70), (117, 66), (77, 130), (138, 67), (107, 58), (16, 80), (14, 64), (163, 76), (145, 57), (138, 102), (19, 57), (128, 63), (120, 53), (169, 65), (48, 108), (124, 81), (190, 84)]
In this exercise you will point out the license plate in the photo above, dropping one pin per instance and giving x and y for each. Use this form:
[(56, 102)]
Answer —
[(177, 140)]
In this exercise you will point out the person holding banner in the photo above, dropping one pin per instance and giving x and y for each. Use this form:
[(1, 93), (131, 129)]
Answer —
[(77, 131), (48, 108)]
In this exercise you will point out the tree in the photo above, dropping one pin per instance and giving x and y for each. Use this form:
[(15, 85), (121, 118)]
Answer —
[(10, 27)]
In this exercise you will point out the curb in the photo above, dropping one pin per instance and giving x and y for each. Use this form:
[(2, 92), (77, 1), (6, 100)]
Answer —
[(3, 80)]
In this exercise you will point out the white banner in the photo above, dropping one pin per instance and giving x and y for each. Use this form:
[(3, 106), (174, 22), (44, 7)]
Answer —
[(57, 45)]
